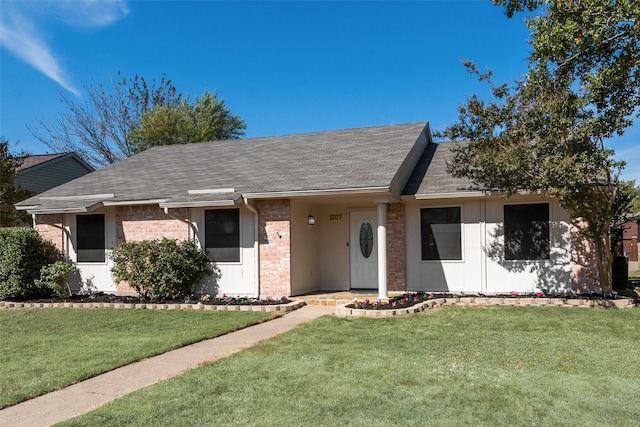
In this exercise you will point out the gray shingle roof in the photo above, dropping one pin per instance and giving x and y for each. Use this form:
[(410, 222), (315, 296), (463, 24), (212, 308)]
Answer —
[(430, 176), (358, 158)]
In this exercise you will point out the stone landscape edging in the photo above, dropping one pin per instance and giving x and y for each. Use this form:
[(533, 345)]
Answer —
[(436, 303), (293, 305)]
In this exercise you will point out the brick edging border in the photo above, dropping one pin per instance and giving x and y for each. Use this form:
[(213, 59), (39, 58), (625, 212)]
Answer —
[(436, 303), (294, 305)]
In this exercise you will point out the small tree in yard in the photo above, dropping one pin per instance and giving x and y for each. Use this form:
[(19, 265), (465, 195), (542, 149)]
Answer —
[(160, 269), (547, 132)]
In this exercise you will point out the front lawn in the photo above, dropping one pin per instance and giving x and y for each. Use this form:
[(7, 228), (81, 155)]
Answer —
[(515, 366), (45, 349)]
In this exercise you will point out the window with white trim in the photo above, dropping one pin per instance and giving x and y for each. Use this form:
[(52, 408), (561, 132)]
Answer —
[(222, 234), (526, 231), (90, 238), (441, 234)]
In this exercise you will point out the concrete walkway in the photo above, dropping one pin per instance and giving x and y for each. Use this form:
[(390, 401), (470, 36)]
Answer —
[(88, 395)]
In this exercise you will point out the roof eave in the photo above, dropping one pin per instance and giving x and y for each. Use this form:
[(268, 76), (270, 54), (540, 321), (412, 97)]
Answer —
[(454, 195), (309, 193), (199, 204), (75, 209)]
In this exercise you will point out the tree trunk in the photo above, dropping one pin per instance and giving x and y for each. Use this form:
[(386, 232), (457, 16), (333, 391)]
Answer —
[(605, 263)]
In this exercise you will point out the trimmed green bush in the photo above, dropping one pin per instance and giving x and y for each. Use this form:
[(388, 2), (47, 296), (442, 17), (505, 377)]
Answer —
[(160, 269), (55, 277), (23, 254)]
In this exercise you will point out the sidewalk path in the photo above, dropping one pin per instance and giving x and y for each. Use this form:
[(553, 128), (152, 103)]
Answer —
[(88, 395)]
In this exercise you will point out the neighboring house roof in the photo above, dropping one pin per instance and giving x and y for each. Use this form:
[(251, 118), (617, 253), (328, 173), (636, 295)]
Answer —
[(31, 161), (27, 162), (42, 172), (361, 160)]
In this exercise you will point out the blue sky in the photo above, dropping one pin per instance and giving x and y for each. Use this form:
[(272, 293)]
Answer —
[(283, 67)]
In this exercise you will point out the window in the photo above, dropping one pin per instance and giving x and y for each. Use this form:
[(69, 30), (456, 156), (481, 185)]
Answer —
[(441, 234), (90, 238), (222, 234), (526, 231)]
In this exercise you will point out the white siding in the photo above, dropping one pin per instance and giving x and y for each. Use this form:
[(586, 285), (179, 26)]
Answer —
[(304, 249), (236, 278), (92, 275), (483, 268)]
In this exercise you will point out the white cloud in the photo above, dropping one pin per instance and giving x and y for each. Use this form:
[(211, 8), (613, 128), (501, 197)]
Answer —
[(20, 36), (86, 13)]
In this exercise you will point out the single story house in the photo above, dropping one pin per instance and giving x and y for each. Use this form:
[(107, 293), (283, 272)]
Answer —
[(367, 208)]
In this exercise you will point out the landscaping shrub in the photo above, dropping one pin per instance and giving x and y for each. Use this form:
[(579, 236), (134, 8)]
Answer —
[(23, 254), (160, 269), (55, 277)]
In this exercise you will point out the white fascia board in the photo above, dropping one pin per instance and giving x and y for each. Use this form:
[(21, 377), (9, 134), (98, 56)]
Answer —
[(25, 207), (212, 191), (199, 204), (80, 197), (307, 193), (83, 209), (134, 202), (456, 195)]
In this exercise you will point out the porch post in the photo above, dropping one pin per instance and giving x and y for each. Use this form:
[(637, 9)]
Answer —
[(382, 252)]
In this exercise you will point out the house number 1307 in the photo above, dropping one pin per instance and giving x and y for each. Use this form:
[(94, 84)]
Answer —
[(335, 217)]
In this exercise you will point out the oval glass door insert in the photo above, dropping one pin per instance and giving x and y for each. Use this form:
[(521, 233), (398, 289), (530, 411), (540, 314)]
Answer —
[(366, 239)]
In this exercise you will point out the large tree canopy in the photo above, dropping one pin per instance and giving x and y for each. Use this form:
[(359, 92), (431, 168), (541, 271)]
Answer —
[(206, 119), (117, 119), (548, 131)]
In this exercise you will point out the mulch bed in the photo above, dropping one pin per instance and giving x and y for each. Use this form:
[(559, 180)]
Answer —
[(411, 299), (127, 299)]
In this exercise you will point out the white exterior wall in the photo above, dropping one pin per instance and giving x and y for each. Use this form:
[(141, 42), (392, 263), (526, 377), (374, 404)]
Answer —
[(92, 275), (236, 278), (304, 249), (451, 275), (553, 274), (483, 268)]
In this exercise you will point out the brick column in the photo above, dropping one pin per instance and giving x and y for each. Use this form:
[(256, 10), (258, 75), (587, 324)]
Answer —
[(274, 245), (396, 247)]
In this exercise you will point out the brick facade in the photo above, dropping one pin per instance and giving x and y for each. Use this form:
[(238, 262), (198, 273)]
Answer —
[(48, 232), (395, 247), (583, 261), (274, 247), (148, 222)]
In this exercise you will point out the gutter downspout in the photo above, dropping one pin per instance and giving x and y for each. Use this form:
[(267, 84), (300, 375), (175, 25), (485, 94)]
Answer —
[(186, 221), (256, 249), (65, 232)]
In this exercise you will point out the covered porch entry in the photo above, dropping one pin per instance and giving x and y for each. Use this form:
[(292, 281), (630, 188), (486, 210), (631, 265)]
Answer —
[(340, 245)]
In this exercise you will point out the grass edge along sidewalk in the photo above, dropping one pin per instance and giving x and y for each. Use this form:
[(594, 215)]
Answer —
[(457, 366), (44, 350), (90, 394)]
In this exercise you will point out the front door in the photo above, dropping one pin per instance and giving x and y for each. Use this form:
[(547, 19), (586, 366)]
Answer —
[(364, 250)]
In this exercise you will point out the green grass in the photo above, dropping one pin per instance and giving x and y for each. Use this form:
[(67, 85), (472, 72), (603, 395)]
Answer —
[(45, 349), (515, 366)]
